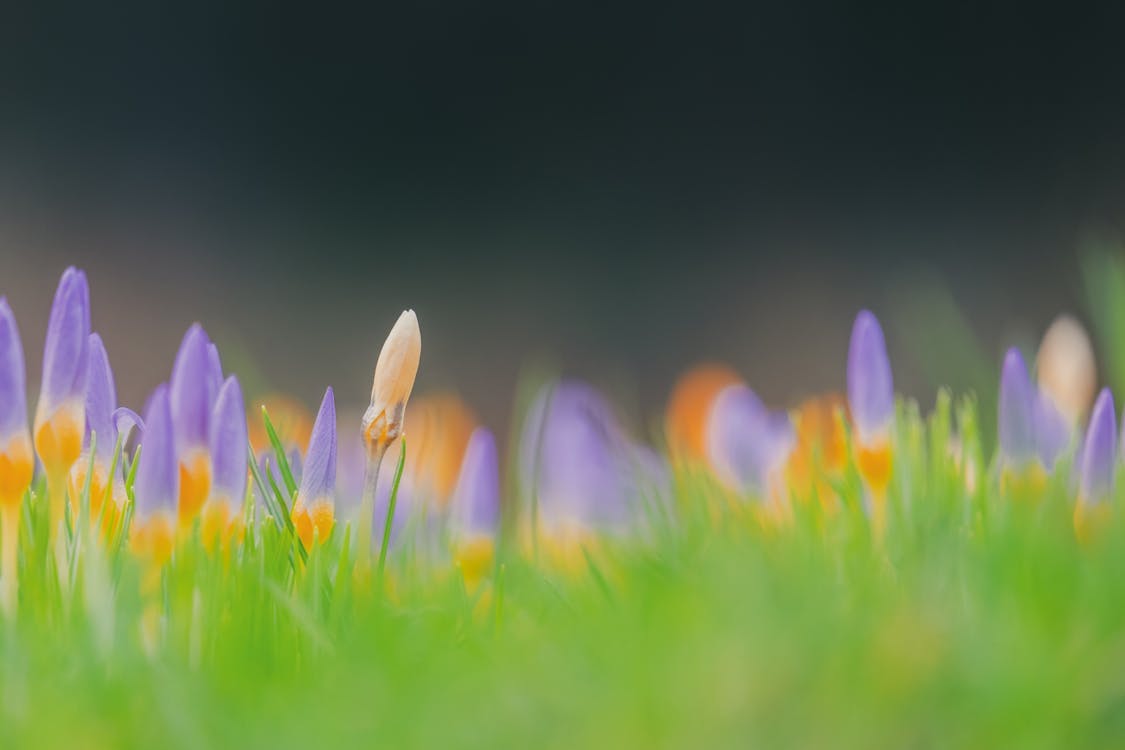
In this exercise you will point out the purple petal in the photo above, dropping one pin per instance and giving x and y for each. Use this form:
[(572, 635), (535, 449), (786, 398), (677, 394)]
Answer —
[(228, 443), (190, 391), (871, 393), (476, 498), (318, 481), (101, 400), (64, 351), (13, 385), (582, 470), (125, 419), (1099, 454), (214, 373), (1052, 430), (158, 475), (1016, 419), (747, 443)]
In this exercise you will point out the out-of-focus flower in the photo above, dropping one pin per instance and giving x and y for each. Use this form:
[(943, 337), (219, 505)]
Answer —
[(60, 420), (16, 462), (748, 445), (157, 486), (395, 371), (475, 508), (1032, 431), (1016, 419), (439, 426), (190, 394), (871, 398), (820, 455), (214, 372), (689, 409), (1066, 368), (101, 424), (291, 419), (581, 473), (1099, 465), (314, 510), (222, 514)]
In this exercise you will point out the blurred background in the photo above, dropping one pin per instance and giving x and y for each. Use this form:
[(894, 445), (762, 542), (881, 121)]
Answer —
[(620, 191)]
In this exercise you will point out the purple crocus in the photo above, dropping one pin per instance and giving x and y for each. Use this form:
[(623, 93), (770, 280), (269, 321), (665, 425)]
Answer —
[(871, 394), (16, 462), (476, 497), (1053, 432), (1099, 454), (228, 445), (157, 485), (579, 463), (1016, 413), (190, 393), (314, 510), (746, 442), (60, 413)]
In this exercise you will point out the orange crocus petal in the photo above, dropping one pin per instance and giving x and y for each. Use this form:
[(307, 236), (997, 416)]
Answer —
[(874, 464), (314, 519), (58, 439), (685, 421), (220, 524), (195, 484), (439, 427), (16, 468), (291, 419), (153, 539), (821, 450)]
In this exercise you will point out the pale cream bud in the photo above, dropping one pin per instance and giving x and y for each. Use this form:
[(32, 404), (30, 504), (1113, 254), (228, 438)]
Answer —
[(394, 379), (1066, 368)]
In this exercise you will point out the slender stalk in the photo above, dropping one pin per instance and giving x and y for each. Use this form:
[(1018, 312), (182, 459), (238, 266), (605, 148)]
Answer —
[(375, 455), (392, 501)]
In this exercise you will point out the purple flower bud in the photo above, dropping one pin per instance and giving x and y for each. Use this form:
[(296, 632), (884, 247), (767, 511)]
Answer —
[(190, 392), (101, 401), (13, 384), (476, 497), (747, 444), (1099, 453), (214, 373), (64, 351), (157, 485), (1016, 418), (228, 444), (1052, 430), (871, 393), (318, 479)]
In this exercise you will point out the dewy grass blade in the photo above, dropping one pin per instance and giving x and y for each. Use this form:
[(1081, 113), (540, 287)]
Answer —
[(279, 452), (391, 507)]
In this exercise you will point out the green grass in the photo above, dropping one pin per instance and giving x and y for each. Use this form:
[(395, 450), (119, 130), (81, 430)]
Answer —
[(979, 622)]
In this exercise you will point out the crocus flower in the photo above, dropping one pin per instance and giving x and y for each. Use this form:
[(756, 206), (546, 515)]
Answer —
[(476, 508), (16, 462), (222, 514), (383, 421), (581, 472), (439, 426), (101, 425), (871, 398), (190, 398), (1099, 464), (1016, 418), (395, 371), (1052, 430), (748, 444), (157, 486), (314, 509), (60, 420), (1066, 368), (689, 409)]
